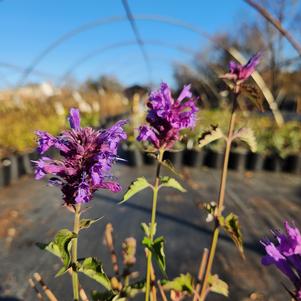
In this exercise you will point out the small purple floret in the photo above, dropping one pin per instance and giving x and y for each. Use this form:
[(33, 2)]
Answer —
[(74, 119), (87, 157), (167, 117), (239, 73), (285, 255)]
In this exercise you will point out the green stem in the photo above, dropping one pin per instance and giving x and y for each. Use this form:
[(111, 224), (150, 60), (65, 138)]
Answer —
[(75, 283), (152, 226), (220, 203)]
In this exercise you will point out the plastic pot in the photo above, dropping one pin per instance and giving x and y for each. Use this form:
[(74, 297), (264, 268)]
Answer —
[(27, 164), (132, 156), (174, 157), (21, 166), (237, 159), (292, 164), (254, 161), (4, 172), (214, 159), (193, 157), (273, 163), (9, 170)]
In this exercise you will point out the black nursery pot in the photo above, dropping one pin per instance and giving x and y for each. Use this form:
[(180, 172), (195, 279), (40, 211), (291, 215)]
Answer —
[(237, 160), (133, 157), (193, 157), (273, 163), (9, 170), (14, 169), (148, 159), (292, 164), (254, 161), (4, 172), (174, 157), (27, 164), (214, 159), (21, 166)]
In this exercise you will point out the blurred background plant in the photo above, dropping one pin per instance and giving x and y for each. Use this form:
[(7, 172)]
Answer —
[(21, 114)]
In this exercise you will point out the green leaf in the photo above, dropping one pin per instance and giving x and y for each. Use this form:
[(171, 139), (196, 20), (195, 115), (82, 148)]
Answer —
[(213, 134), (136, 186), (60, 247), (92, 268), (157, 249), (103, 296), (86, 223), (63, 240), (166, 163), (171, 182), (146, 229), (218, 286), (247, 135), (135, 288), (232, 227), (50, 247), (183, 283)]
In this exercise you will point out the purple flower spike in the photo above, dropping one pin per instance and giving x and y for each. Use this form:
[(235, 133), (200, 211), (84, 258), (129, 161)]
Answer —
[(87, 157), (285, 255), (74, 119), (239, 73), (167, 117)]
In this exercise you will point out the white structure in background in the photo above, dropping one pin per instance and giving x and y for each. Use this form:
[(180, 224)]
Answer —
[(59, 108), (39, 91), (82, 104)]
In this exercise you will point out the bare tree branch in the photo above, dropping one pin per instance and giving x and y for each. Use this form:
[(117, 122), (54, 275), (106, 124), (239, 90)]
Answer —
[(276, 24)]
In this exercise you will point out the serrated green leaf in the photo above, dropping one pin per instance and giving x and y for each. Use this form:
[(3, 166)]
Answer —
[(86, 223), (211, 135), (171, 182), (231, 224), (247, 135), (60, 247), (62, 239), (92, 268), (183, 283), (166, 163), (50, 247), (218, 286), (136, 186), (157, 249)]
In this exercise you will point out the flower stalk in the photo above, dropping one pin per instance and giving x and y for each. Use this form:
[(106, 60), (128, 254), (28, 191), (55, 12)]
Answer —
[(221, 199), (75, 282), (153, 222)]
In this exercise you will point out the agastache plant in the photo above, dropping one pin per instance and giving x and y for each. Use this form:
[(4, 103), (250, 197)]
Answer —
[(166, 117), (237, 74), (286, 256), (87, 156)]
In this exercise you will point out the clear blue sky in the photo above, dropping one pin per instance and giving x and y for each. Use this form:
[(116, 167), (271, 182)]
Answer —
[(28, 26)]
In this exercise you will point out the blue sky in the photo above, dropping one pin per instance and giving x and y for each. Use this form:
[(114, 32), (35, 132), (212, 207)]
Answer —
[(28, 26)]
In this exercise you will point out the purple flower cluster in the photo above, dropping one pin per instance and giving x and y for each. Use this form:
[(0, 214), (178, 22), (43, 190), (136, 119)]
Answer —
[(286, 255), (167, 117), (239, 73), (88, 156)]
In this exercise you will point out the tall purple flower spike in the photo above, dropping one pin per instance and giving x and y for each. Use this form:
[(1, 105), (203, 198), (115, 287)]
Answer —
[(239, 73), (166, 117), (87, 157), (286, 255)]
